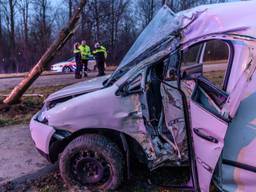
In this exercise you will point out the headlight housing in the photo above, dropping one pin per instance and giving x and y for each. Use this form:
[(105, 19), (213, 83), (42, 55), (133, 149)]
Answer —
[(41, 117)]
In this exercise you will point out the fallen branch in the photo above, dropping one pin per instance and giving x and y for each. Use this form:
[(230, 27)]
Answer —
[(63, 37), (27, 95)]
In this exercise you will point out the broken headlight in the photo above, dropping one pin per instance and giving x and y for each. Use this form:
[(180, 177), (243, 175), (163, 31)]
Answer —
[(41, 117)]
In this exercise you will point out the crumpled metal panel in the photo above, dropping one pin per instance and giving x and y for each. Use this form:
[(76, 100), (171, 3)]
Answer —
[(174, 117), (109, 111), (234, 17)]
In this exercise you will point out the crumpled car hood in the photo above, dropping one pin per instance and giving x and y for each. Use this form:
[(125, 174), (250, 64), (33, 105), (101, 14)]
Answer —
[(78, 88)]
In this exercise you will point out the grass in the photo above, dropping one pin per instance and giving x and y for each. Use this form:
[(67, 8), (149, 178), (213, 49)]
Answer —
[(22, 112)]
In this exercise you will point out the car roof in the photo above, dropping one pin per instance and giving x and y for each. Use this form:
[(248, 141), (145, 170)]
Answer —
[(232, 18)]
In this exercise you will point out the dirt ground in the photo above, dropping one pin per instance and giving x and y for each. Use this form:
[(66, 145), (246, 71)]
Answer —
[(54, 183), (18, 155)]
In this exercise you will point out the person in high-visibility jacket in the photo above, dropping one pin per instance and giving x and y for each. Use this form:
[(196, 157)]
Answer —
[(100, 54), (85, 54), (79, 66)]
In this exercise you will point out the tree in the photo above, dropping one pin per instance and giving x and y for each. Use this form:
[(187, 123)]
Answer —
[(42, 24), (70, 8), (24, 6), (1, 23), (147, 10), (63, 37), (9, 11)]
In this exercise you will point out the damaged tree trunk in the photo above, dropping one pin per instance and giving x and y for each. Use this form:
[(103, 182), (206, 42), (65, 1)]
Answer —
[(65, 34)]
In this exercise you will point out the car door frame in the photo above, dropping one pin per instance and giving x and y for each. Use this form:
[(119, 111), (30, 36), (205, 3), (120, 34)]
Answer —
[(195, 178)]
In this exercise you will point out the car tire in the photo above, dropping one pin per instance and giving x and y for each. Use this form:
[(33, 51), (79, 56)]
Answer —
[(66, 70), (93, 162)]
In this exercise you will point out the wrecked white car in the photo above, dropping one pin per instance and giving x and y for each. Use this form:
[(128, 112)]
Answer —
[(183, 96)]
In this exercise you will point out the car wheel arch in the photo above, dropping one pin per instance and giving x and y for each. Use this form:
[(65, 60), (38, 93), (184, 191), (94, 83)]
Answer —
[(129, 146), (66, 67)]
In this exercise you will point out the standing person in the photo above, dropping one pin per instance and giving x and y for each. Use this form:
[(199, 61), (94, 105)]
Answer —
[(77, 53), (85, 53), (100, 54)]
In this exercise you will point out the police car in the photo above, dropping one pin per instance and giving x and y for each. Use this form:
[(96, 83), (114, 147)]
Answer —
[(70, 65)]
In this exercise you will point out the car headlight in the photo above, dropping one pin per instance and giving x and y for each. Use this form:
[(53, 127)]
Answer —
[(41, 117)]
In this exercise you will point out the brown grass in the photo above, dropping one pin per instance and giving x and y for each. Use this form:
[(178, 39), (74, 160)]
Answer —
[(22, 112)]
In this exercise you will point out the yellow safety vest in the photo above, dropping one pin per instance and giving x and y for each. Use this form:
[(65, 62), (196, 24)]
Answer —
[(85, 51), (101, 49)]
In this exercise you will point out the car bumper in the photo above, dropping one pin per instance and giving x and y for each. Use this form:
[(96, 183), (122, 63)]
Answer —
[(41, 135), (56, 70)]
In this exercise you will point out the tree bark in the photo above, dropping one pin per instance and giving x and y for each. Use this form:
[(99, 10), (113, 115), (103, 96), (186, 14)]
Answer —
[(70, 8), (24, 11), (63, 37), (12, 23), (1, 29)]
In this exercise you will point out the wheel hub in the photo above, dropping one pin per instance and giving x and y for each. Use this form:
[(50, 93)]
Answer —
[(89, 168)]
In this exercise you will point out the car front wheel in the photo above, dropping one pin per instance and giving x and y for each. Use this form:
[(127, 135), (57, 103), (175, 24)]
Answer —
[(92, 161), (66, 70)]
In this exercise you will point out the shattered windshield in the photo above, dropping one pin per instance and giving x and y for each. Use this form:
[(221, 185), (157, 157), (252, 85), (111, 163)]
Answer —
[(155, 37)]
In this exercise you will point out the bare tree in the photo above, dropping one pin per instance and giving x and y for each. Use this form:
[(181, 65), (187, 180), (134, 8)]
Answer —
[(12, 22), (70, 8), (24, 6), (1, 23), (8, 7), (147, 10), (63, 37), (96, 15)]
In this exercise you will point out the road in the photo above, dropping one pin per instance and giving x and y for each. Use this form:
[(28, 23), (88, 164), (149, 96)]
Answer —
[(65, 79), (43, 81)]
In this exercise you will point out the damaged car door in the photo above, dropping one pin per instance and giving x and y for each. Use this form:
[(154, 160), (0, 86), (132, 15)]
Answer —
[(209, 128), (209, 103)]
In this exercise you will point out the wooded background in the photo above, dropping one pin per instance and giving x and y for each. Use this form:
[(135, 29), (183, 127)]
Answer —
[(27, 27)]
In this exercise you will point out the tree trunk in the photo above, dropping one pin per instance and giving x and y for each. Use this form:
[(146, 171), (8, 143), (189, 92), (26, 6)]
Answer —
[(63, 37), (70, 7), (1, 29), (112, 28), (12, 23), (97, 20), (26, 21), (25, 14)]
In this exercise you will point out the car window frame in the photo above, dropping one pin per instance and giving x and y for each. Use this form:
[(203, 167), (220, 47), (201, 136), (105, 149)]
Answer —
[(201, 57)]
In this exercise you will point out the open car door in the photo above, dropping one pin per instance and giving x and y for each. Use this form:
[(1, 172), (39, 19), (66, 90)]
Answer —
[(209, 125), (211, 111)]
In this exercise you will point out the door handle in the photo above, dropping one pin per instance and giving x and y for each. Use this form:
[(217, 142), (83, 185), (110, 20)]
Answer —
[(200, 133)]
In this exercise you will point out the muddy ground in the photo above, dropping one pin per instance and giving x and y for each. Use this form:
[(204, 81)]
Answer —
[(53, 183)]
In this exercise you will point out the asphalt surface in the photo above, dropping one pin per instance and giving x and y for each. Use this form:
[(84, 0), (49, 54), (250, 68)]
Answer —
[(43, 81)]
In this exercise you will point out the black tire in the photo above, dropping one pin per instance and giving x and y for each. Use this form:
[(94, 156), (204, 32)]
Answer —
[(92, 161), (66, 70)]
